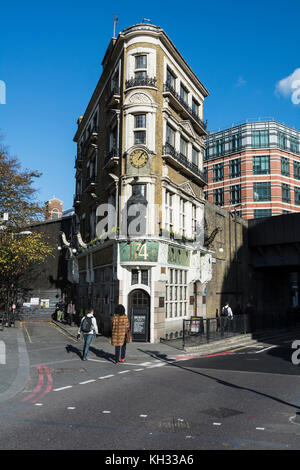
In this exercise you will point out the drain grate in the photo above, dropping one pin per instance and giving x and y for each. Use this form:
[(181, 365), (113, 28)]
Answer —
[(221, 412), (66, 371), (174, 425)]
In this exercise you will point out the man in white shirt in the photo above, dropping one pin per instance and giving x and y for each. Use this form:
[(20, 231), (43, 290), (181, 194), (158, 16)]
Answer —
[(226, 311), (88, 326)]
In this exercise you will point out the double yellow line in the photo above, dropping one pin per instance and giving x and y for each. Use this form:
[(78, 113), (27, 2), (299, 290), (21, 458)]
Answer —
[(28, 335)]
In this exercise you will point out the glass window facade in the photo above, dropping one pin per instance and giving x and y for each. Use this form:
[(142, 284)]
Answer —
[(260, 139), (285, 166), (296, 170), (235, 168), (297, 195), (294, 144), (261, 165), (219, 172), (235, 194), (259, 213), (262, 191), (219, 196), (286, 193)]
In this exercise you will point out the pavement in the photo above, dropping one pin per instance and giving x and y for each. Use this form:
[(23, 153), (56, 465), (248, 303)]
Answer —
[(15, 363)]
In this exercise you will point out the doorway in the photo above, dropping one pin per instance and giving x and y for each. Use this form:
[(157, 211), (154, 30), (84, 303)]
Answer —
[(139, 314)]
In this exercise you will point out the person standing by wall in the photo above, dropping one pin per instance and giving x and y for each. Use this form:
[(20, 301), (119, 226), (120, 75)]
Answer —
[(120, 327), (71, 313), (88, 326)]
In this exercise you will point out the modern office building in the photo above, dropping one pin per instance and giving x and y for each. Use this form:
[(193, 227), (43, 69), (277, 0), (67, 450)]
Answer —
[(254, 169), (140, 143)]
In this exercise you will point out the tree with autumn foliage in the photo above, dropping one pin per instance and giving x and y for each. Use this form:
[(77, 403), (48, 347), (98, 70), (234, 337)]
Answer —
[(20, 247)]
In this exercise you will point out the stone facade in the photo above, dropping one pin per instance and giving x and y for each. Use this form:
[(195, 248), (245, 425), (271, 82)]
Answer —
[(141, 140)]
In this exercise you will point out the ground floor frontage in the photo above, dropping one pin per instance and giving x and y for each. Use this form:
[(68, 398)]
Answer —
[(159, 282)]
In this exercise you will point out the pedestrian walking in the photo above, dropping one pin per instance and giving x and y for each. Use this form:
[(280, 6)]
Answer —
[(226, 315), (120, 327), (88, 326), (60, 310), (71, 312)]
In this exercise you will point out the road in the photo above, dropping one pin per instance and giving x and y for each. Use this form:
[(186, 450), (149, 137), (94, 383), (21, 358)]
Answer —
[(241, 399)]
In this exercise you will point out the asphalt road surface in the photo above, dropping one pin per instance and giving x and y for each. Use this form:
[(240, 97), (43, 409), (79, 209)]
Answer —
[(247, 398)]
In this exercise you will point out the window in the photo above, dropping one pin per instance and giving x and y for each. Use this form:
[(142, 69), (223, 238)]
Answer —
[(220, 147), (176, 293), (261, 165), (182, 216), (140, 123), (183, 93), (259, 213), (170, 136), (55, 214), (205, 195), (235, 168), (169, 198), (140, 276), (171, 79), (219, 196), (139, 189), (235, 194), (134, 277), (294, 144), (297, 170), (262, 191), (297, 195), (195, 107), (260, 139), (236, 142), (194, 220), (282, 140), (285, 192), (285, 166), (218, 172), (195, 156), (183, 147), (141, 62)]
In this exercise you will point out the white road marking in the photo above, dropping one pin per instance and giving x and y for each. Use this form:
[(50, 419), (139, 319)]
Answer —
[(106, 376), (62, 388), (2, 353), (146, 364), (137, 370), (123, 371), (106, 411), (217, 424), (38, 404), (156, 365), (260, 429), (265, 349), (71, 408), (143, 416), (87, 382)]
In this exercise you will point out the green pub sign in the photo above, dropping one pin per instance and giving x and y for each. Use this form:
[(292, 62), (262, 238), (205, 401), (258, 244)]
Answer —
[(179, 256), (139, 251)]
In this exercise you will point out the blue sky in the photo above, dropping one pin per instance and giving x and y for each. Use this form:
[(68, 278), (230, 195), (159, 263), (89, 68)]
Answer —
[(50, 61)]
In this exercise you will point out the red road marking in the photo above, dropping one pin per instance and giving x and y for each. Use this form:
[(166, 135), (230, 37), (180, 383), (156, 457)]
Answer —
[(219, 354), (39, 385), (49, 385)]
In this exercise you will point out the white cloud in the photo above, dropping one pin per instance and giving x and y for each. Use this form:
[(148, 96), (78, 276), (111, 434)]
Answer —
[(240, 82), (290, 87)]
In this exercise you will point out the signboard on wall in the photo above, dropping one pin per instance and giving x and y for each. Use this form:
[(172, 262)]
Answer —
[(139, 251), (178, 256)]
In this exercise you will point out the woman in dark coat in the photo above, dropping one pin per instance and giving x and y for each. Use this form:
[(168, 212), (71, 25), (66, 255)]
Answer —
[(120, 327)]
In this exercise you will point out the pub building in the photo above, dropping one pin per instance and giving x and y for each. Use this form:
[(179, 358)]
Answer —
[(139, 199)]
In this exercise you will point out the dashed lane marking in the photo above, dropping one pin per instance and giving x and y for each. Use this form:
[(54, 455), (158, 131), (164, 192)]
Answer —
[(62, 388), (106, 376), (87, 382)]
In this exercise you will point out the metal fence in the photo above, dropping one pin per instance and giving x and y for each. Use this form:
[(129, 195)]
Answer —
[(205, 330)]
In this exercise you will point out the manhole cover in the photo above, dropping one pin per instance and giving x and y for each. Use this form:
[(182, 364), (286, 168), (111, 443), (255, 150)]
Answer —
[(174, 425), (221, 412), (65, 371)]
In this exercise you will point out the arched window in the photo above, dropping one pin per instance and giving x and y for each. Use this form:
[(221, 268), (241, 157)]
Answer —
[(55, 214)]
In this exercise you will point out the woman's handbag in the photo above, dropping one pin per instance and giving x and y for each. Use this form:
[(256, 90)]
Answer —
[(128, 336)]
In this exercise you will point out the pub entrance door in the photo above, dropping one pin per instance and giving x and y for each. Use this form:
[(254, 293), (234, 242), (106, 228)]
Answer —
[(139, 311)]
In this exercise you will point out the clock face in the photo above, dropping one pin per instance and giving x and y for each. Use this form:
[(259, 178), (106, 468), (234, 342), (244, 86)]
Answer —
[(138, 158)]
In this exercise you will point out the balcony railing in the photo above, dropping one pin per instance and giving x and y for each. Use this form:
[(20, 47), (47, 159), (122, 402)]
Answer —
[(169, 89), (112, 156), (145, 81), (115, 93), (184, 162), (90, 181)]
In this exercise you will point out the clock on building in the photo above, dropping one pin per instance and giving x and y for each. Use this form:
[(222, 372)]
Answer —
[(138, 158)]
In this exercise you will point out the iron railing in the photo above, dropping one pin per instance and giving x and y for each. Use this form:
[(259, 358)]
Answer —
[(145, 81), (194, 114), (169, 150), (199, 330)]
